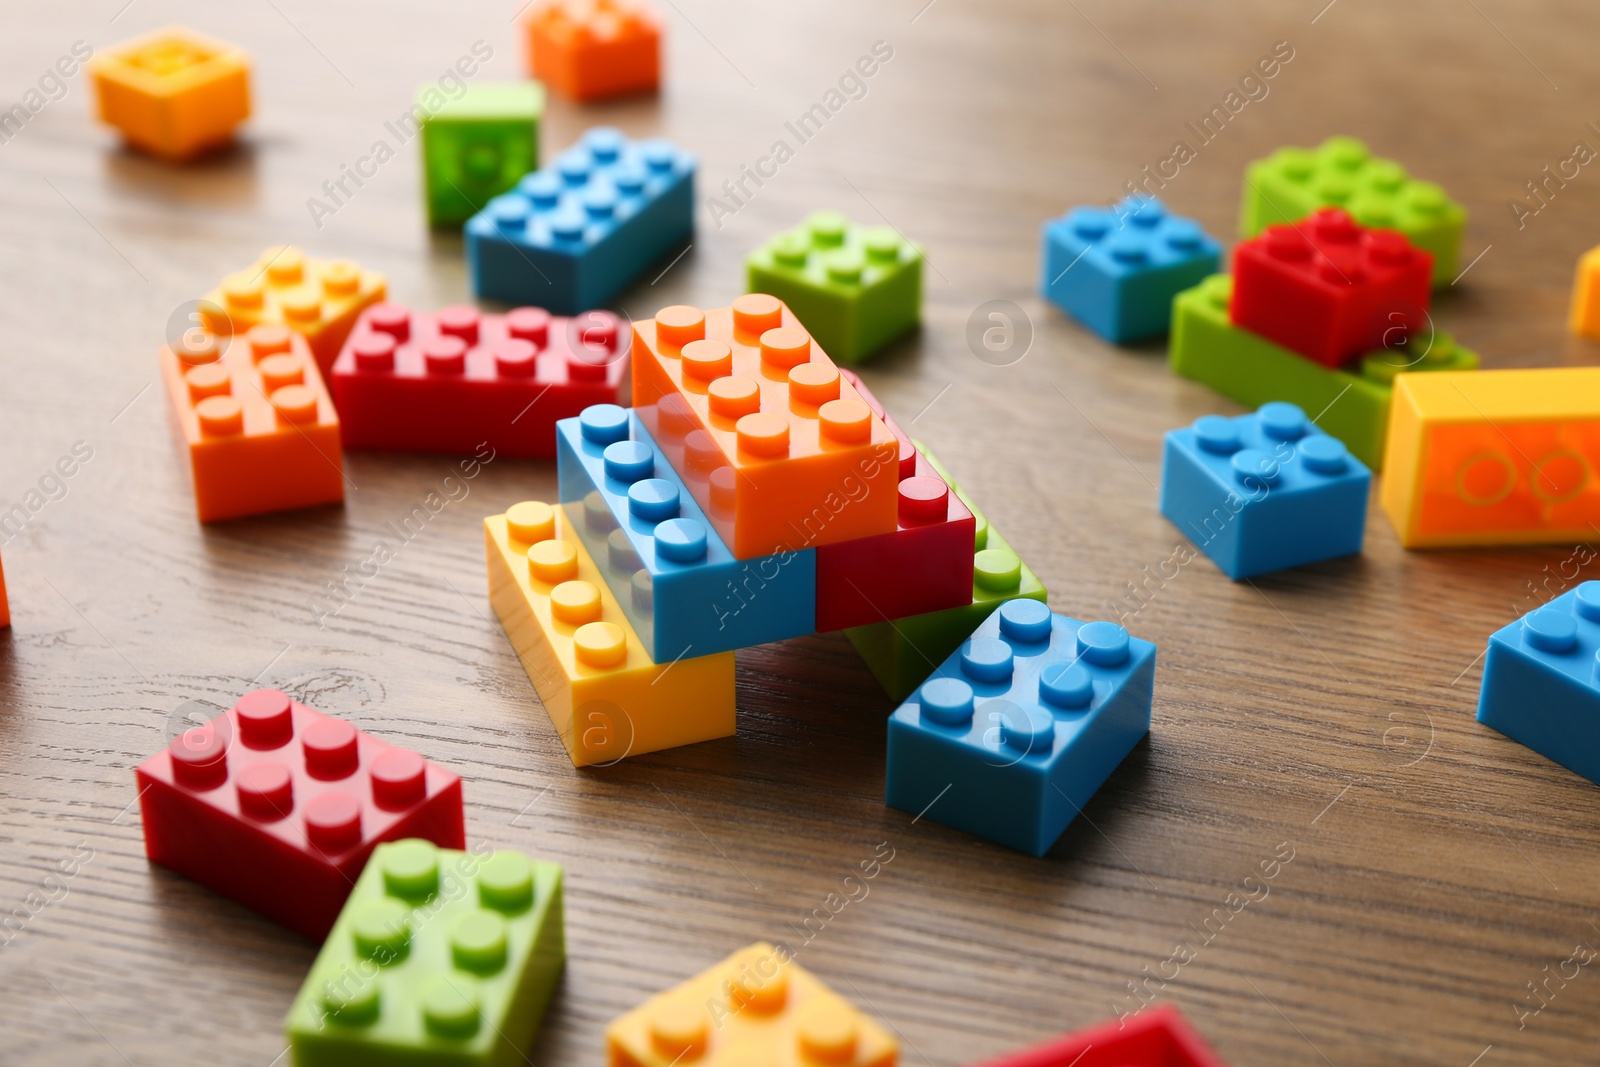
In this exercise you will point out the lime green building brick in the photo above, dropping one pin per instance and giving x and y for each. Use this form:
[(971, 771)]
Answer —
[(901, 653), (1352, 405), (439, 959), (1293, 182), (477, 145), (855, 288)]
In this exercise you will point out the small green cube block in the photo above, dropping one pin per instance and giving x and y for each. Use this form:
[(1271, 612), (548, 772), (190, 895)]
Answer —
[(477, 145), (901, 653), (855, 288), (439, 959), (1293, 182), (1352, 405)]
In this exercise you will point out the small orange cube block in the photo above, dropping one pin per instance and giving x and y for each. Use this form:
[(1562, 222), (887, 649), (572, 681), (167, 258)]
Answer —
[(173, 93), (595, 49), (1584, 319), (319, 300), (257, 421)]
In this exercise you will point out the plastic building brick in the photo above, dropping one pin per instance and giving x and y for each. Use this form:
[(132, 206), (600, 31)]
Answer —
[(258, 423), (576, 232), (902, 653), (604, 694), (1116, 270), (1584, 319), (1354, 403), (756, 1006), (924, 565), (1265, 491), (1015, 731), (317, 299), (278, 807), (5, 604), (683, 591), (595, 49), (477, 145), (1293, 182), (1329, 289), (855, 288), (1155, 1037), (441, 958), (452, 380), (173, 93), (1494, 457), (780, 451), (1540, 686)]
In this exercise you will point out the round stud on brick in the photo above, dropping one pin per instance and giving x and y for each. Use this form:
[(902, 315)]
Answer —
[(813, 384), (1256, 468), (200, 756), (568, 224), (331, 749), (341, 277), (763, 434), (828, 1031), (1296, 164), (734, 397), (1587, 600), (552, 562), (594, 336), (629, 178), (846, 421), (286, 265), (845, 265), (790, 250), (658, 155), (1425, 198), (1388, 247), (1216, 434), (701, 456), (333, 822), (1284, 242), (1025, 620), (531, 521), (629, 461), (946, 701), (756, 313), (1184, 235), (505, 883), (1283, 421), (882, 244), (620, 553), (1550, 630), (922, 500), (908, 458), (724, 484), (381, 930), (1345, 153), (757, 981), (280, 370), (510, 214), (399, 779), (541, 187), (600, 644), (597, 512), (197, 347), (220, 416), (529, 324), (1030, 731), (681, 540), (679, 1029), (987, 659), (265, 791), (1104, 644), (243, 291), (653, 500), (1377, 212), (410, 868), (827, 228), (679, 324), (1333, 224), (515, 358), (1144, 212), (450, 1009), (603, 424), (1324, 454), (576, 602), (295, 403), (479, 943), (351, 1004), (600, 203), (209, 379), (997, 570), (785, 346), (1066, 685), (574, 167), (266, 720), (1089, 224), (301, 305), (445, 355), (266, 339), (1128, 248), (1218, 289), (1334, 188), (374, 352), (707, 360), (604, 143)]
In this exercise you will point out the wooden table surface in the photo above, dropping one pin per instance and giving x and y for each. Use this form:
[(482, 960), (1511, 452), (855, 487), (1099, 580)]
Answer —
[(1325, 713)]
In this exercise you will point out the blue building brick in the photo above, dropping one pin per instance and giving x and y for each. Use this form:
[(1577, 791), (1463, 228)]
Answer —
[(576, 232), (1014, 733), (675, 578), (1263, 492), (1116, 270), (1540, 681)]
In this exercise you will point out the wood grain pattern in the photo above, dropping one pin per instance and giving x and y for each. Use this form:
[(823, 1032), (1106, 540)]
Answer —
[(1437, 866)]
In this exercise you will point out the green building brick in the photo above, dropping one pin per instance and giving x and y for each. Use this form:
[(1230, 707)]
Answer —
[(439, 959), (855, 288), (476, 146), (1352, 405), (1293, 182), (901, 653)]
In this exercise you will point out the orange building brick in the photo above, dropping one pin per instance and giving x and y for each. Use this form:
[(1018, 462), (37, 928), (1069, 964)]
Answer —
[(1584, 318), (173, 93), (755, 1007), (258, 423), (594, 49), (318, 299), (779, 450), (5, 604)]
